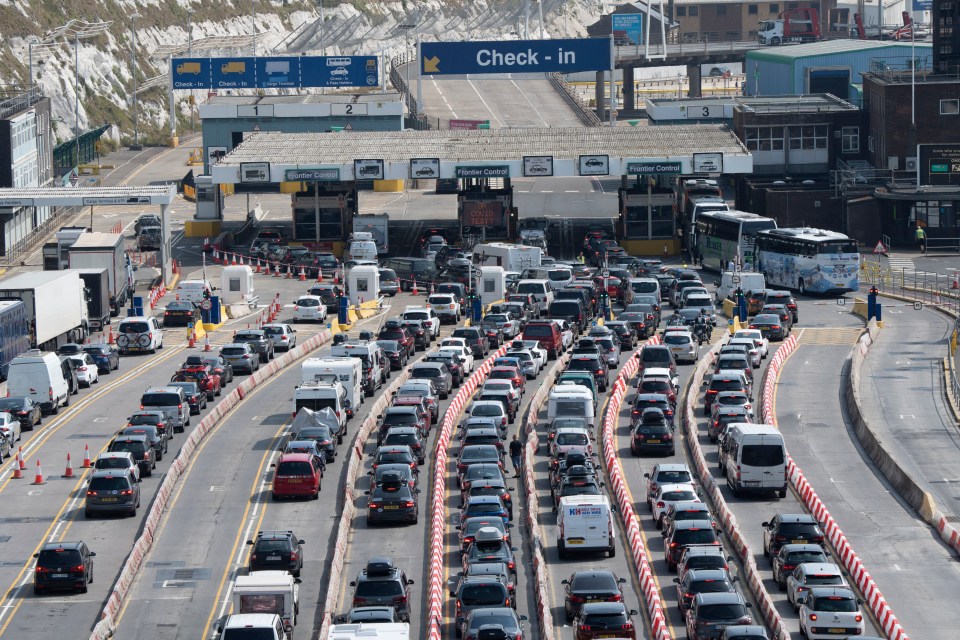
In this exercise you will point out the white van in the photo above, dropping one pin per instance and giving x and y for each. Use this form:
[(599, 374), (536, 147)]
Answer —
[(193, 290), (362, 248), (39, 376), (571, 401), (753, 457), (252, 626), (748, 281), (585, 523)]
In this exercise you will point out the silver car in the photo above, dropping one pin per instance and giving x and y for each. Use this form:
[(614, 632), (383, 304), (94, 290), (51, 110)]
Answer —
[(241, 356), (503, 321), (436, 372), (284, 336)]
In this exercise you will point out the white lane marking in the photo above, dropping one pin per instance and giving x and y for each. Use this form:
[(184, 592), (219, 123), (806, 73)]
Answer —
[(443, 97), (527, 98), (897, 567), (572, 191), (479, 95)]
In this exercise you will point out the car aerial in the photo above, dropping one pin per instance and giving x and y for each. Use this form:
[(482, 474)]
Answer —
[(143, 452), (276, 550), (791, 556), (710, 612), (478, 472), (216, 363), (494, 623), (790, 528), (770, 326), (595, 365), (283, 335), (703, 557), (87, 370), (23, 409), (489, 545), (570, 438), (436, 372), (180, 313), (410, 436), (468, 529), (666, 473), (112, 491), (241, 356), (750, 348), (394, 330), (296, 475), (644, 401), (668, 494), (829, 612), (477, 453), (696, 581), (392, 500), (395, 353), (683, 345), (258, 340), (759, 341), (106, 357), (505, 323), (451, 361), (784, 298), (309, 308), (721, 384), (307, 446), (490, 409), (684, 534), (422, 338), (749, 632), (63, 566), (812, 574), (590, 586), (652, 433)]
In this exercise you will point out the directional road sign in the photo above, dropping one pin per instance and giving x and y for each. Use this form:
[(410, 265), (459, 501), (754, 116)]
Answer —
[(518, 56), (295, 72)]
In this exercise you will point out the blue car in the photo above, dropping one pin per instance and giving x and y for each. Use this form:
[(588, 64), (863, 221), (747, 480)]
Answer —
[(105, 356), (487, 506)]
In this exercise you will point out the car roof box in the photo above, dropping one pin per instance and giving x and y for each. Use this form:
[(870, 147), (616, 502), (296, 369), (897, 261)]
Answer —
[(379, 567)]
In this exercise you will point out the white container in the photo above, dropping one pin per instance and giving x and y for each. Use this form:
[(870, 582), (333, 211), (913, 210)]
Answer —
[(493, 284), (363, 283), (236, 285)]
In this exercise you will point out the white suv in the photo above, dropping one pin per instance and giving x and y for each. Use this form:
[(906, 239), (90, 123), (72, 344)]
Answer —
[(426, 315), (445, 305), (139, 333)]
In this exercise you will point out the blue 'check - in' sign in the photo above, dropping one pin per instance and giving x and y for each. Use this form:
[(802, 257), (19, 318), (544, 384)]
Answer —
[(519, 56)]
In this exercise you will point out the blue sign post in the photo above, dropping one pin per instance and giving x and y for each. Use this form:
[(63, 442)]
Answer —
[(297, 72), (520, 56), (627, 29)]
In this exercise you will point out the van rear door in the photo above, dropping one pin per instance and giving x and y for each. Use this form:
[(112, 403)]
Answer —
[(762, 462), (586, 526)]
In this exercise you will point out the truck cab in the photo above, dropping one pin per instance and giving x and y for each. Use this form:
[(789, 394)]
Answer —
[(793, 25)]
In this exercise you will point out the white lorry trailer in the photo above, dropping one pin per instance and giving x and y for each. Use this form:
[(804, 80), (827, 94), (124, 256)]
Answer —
[(56, 304), (104, 250), (376, 224), (512, 257)]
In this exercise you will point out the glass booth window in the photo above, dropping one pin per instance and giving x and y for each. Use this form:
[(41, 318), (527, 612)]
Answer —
[(234, 284), (362, 285)]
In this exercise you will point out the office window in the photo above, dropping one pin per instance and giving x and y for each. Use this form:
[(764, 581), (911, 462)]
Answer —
[(808, 137), (850, 139), (721, 9), (681, 12), (774, 8), (752, 9), (764, 138), (694, 10), (949, 107)]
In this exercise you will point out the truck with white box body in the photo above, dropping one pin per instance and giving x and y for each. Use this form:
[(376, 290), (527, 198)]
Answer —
[(56, 303), (104, 250), (377, 225), (512, 257), (96, 281), (348, 372), (275, 592)]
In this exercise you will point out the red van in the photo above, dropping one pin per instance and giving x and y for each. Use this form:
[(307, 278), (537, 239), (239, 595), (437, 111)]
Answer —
[(297, 475), (547, 333)]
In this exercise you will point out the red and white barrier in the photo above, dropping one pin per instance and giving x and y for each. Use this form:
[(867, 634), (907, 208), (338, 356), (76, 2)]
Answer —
[(631, 523), (851, 561), (436, 590), (121, 588)]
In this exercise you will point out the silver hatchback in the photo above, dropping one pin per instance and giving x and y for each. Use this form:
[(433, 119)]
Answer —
[(241, 356)]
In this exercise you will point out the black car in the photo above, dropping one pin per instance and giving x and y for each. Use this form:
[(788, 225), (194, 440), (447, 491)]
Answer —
[(181, 313), (63, 565), (258, 340), (328, 293), (143, 452), (790, 528), (280, 550), (106, 356), (769, 325), (24, 409), (422, 337), (392, 500), (324, 437), (159, 438), (590, 586), (653, 434), (454, 365), (624, 332), (476, 339), (196, 398), (382, 583), (395, 353), (595, 365)]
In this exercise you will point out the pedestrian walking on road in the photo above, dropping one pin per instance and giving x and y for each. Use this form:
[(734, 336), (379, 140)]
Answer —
[(920, 235), (516, 452)]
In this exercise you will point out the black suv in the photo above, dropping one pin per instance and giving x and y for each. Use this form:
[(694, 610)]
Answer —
[(382, 583), (790, 528), (476, 340), (595, 365), (63, 565), (143, 452), (276, 550), (258, 340)]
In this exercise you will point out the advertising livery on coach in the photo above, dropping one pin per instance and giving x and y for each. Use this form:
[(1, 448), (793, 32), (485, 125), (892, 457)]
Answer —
[(808, 260)]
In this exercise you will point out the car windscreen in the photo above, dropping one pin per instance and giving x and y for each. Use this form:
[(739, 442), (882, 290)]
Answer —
[(59, 557), (294, 468), (112, 463), (695, 536), (135, 447), (134, 327), (762, 455), (835, 604), (160, 400), (487, 410), (721, 611), (565, 308), (108, 484), (538, 331), (483, 595), (233, 351)]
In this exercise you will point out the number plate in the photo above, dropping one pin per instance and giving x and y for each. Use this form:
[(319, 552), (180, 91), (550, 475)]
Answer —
[(836, 630), (752, 483), (574, 541), (294, 480), (391, 507), (59, 575), (272, 558), (108, 499), (798, 541), (653, 442)]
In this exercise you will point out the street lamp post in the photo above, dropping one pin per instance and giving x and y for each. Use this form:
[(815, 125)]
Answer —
[(190, 32), (253, 7), (76, 98), (136, 101)]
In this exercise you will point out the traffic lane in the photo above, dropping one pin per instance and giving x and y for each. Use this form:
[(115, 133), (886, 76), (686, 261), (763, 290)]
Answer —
[(219, 506), (366, 542), (37, 512), (634, 467), (904, 366), (913, 569), (621, 564)]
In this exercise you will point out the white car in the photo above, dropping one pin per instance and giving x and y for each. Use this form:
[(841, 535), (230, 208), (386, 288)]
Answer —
[(529, 364), (9, 428), (465, 354), (669, 494), (455, 342), (533, 346), (682, 345), (445, 305), (827, 612), (339, 71), (87, 370), (117, 460), (762, 344), (750, 347), (426, 315), (502, 384), (139, 333), (566, 333), (489, 409), (813, 574), (309, 308), (570, 438)]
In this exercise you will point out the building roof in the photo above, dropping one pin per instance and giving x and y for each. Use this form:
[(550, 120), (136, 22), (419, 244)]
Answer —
[(813, 103), (788, 54)]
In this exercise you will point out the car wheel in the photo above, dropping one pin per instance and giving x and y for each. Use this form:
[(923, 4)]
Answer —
[(83, 589)]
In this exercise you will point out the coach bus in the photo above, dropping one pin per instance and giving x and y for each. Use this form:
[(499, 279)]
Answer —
[(722, 237), (808, 260)]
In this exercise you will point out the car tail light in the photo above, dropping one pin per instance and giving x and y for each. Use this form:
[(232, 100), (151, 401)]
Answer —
[(127, 492), (91, 493), (775, 327), (400, 599), (408, 503), (616, 598), (78, 567), (660, 504), (358, 601), (577, 599), (42, 570), (50, 393), (858, 618)]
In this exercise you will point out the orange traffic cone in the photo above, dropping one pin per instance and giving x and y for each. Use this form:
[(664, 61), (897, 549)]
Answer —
[(241, 259), (276, 270), (289, 272), (206, 343), (192, 339), (110, 339), (38, 479), (259, 268), (415, 291), (956, 281), (319, 274), (303, 275), (23, 465), (86, 457), (233, 260), (336, 277), (68, 473), (18, 468)]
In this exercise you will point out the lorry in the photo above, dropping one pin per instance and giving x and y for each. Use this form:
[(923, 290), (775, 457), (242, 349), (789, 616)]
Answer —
[(56, 303), (105, 250), (15, 337), (55, 255), (792, 25), (376, 224), (268, 592), (96, 281), (370, 631), (512, 257)]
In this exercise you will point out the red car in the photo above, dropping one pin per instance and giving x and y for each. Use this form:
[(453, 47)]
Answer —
[(506, 372), (297, 475), (208, 381), (393, 330)]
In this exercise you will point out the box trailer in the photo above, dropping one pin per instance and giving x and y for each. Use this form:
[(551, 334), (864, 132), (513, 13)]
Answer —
[(56, 305), (106, 250), (96, 281)]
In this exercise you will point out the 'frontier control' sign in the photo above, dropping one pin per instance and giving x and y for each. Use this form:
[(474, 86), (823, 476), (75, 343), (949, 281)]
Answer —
[(500, 171), (653, 168), (519, 56)]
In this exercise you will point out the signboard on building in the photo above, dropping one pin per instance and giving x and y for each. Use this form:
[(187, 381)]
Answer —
[(636, 168), (425, 168), (938, 164), (254, 172), (295, 72), (368, 169), (515, 56), (483, 213), (537, 166), (321, 174), (214, 154), (597, 165), (466, 125), (494, 171), (708, 163), (627, 29)]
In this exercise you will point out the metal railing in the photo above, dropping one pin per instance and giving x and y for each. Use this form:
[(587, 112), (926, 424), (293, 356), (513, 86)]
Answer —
[(415, 118), (587, 115)]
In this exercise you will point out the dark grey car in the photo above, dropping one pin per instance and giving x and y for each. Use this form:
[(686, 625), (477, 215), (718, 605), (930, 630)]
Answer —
[(437, 372), (112, 491), (382, 583), (258, 340)]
